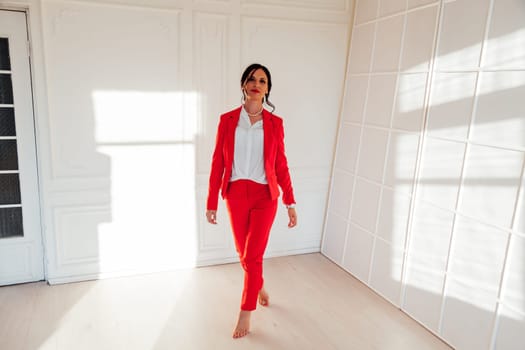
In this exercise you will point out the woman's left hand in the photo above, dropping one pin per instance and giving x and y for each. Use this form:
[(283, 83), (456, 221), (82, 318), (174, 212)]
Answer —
[(292, 215)]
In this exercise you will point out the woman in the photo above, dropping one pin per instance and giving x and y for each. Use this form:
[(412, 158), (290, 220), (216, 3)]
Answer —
[(248, 165)]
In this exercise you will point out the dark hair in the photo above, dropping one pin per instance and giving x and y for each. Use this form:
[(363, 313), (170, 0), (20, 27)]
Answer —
[(248, 73)]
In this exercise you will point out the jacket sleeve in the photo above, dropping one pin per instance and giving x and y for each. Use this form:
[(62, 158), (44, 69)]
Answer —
[(281, 167), (217, 167)]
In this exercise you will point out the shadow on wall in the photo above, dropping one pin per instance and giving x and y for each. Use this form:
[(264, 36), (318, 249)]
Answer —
[(465, 248), (459, 270), (149, 137), (128, 127), (122, 130), (465, 206)]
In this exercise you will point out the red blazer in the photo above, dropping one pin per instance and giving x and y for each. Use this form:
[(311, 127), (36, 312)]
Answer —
[(275, 163)]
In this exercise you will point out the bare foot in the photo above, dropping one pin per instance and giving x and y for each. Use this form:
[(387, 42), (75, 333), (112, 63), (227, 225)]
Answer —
[(243, 324), (264, 298)]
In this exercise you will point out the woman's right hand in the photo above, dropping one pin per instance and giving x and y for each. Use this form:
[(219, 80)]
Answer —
[(211, 215)]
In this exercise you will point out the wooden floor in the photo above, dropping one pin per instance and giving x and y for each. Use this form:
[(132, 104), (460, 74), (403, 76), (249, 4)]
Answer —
[(314, 305)]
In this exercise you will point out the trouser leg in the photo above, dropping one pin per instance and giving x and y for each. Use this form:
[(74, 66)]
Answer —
[(261, 220), (252, 213)]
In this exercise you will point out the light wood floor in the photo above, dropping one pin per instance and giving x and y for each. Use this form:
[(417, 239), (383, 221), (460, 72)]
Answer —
[(314, 305)]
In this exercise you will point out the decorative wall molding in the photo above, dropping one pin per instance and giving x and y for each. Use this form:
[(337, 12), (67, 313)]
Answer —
[(326, 5), (195, 48), (210, 39), (167, 5), (95, 50), (75, 245)]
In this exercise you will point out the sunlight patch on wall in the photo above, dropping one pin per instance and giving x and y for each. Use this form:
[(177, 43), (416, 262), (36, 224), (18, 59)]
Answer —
[(411, 92), (135, 116), (149, 139), (463, 58), (452, 87), (513, 293), (507, 50), (500, 118), (486, 110), (450, 106), (402, 155)]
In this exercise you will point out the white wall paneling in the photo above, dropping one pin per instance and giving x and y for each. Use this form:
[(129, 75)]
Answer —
[(388, 39), (334, 5), (380, 99), (302, 45), (487, 127), (449, 117), (211, 39), (433, 176), (505, 33), (354, 106), (418, 40), (389, 7), (459, 46), (126, 115), (366, 11)]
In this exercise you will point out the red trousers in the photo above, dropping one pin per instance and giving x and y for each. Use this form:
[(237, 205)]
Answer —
[(252, 212)]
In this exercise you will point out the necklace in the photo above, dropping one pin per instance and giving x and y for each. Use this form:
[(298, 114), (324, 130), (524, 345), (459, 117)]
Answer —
[(254, 114)]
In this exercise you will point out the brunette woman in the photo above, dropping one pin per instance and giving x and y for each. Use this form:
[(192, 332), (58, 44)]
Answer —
[(248, 166)]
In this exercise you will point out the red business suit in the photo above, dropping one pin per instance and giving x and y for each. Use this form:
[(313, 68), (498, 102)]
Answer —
[(251, 206), (275, 163)]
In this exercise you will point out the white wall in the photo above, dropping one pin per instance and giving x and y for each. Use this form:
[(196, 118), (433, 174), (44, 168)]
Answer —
[(128, 95), (426, 203)]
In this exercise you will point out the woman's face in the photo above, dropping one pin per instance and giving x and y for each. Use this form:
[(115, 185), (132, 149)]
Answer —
[(256, 86)]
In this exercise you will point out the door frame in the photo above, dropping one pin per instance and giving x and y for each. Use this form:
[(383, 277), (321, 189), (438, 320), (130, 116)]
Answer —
[(31, 9)]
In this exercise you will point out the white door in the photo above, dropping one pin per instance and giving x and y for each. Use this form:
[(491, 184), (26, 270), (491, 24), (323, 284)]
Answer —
[(21, 252)]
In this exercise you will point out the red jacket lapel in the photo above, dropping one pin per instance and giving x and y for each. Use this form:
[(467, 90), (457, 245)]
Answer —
[(268, 137)]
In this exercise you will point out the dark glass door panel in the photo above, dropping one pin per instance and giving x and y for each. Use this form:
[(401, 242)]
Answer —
[(11, 222), (8, 155), (5, 61), (6, 89), (9, 189), (10, 199), (7, 121)]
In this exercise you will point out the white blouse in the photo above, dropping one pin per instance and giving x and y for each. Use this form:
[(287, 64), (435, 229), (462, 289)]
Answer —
[(248, 157)]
